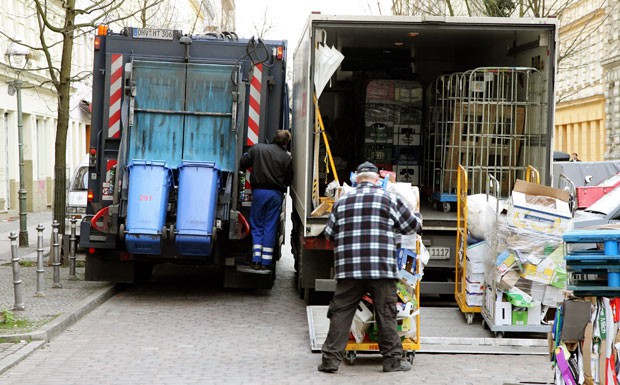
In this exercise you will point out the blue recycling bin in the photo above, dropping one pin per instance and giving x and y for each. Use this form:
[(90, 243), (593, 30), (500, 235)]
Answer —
[(196, 207), (149, 187)]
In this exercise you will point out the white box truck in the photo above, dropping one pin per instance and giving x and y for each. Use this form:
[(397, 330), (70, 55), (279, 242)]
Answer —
[(391, 66)]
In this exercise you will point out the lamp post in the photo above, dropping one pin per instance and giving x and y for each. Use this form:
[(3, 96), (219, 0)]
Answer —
[(17, 56)]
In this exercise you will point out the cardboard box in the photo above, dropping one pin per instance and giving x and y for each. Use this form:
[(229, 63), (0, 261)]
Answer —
[(407, 155), (407, 136), (539, 208), (478, 251), (541, 273), (534, 314), (474, 277), (378, 132), (553, 296), (502, 314), (519, 316), (378, 153), (408, 174), (473, 299), (475, 267), (474, 287), (508, 280)]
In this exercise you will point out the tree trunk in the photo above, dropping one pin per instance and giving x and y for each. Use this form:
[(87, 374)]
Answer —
[(64, 96)]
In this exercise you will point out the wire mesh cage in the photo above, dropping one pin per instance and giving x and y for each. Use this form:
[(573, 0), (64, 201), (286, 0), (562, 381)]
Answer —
[(492, 121)]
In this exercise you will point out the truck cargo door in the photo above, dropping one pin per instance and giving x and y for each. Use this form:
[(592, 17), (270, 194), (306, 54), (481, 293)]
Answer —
[(157, 133), (209, 122)]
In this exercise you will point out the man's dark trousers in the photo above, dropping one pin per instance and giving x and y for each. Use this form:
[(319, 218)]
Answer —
[(342, 309)]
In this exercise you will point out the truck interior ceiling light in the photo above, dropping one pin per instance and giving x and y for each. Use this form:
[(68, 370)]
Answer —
[(413, 34), (398, 43)]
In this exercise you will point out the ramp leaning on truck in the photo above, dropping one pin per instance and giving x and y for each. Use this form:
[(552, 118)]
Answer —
[(172, 114)]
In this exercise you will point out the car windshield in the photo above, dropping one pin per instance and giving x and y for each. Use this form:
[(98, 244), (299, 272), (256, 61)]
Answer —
[(80, 180), (608, 203)]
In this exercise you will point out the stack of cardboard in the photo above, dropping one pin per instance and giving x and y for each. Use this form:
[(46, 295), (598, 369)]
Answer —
[(365, 329), (393, 118), (525, 270)]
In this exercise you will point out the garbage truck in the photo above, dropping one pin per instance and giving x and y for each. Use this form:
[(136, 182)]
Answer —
[(172, 114), (418, 96)]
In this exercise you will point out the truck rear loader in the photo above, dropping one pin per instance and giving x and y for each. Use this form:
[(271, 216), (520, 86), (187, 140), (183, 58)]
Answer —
[(402, 81), (171, 116)]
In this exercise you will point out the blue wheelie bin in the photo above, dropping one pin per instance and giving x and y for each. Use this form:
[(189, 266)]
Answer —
[(196, 205), (149, 186)]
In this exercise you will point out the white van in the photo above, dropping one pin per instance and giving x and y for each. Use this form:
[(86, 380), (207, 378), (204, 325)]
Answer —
[(76, 196)]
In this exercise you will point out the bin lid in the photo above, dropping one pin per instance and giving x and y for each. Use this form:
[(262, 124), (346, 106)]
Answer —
[(198, 163)]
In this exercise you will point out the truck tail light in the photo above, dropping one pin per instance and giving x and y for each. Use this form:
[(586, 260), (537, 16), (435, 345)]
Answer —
[(90, 195), (97, 43), (91, 250), (279, 52)]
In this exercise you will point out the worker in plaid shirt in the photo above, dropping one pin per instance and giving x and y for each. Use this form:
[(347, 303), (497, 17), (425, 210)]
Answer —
[(363, 224)]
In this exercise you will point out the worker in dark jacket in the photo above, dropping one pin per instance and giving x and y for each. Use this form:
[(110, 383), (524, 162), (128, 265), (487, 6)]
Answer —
[(272, 173), (363, 225)]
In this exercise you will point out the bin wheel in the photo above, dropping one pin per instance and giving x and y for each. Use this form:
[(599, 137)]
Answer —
[(469, 317), (499, 334), (171, 230), (121, 231), (446, 207), (409, 356), (351, 356)]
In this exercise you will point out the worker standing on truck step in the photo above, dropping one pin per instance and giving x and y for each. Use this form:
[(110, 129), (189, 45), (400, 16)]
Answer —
[(272, 173), (363, 225)]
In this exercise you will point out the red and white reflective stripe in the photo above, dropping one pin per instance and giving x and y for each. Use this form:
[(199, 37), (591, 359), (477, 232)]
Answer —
[(254, 110), (116, 81)]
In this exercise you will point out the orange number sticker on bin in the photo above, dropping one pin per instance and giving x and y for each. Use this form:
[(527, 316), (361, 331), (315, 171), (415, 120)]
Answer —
[(146, 197)]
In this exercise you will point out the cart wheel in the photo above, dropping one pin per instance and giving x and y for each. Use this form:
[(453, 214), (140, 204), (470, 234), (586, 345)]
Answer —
[(446, 207), (469, 317), (499, 334), (410, 356), (121, 232), (350, 356), (484, 324)]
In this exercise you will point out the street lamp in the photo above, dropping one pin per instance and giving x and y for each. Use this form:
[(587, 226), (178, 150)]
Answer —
[(18, 56)]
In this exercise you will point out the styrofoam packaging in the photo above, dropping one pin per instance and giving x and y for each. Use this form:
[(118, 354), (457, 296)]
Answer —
[(477, 252), (473, 299), (474, 287), (476, 267)]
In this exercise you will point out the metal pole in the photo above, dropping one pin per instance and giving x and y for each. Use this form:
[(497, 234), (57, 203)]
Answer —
[(72, 246), (23, 226), (56, 263), (40, 268), (17, 282)]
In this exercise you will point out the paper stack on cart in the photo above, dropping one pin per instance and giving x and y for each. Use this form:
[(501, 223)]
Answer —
[(525, 272), (365, 329)]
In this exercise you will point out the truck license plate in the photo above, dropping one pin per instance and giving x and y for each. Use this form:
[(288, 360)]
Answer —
[(150, 33), (439, 252)]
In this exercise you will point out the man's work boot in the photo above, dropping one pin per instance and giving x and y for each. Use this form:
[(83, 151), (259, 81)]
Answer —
[(328, 366), (396, 366)]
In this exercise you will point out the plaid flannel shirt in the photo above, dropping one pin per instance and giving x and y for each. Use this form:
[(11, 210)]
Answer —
[(363, 224)]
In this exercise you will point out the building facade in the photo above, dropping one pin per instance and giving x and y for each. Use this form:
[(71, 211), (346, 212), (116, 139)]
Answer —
[(39, 98), (580, 118)]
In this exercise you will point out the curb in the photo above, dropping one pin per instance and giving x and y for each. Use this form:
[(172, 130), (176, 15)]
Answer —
[(46, 333)]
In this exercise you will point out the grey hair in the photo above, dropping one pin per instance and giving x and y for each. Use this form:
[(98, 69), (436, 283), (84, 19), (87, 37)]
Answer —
[(368, 175)]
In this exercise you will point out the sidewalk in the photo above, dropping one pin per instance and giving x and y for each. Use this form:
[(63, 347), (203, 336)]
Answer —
[(46, 316)]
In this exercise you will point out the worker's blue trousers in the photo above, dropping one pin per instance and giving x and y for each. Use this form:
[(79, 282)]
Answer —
[(264, 219)]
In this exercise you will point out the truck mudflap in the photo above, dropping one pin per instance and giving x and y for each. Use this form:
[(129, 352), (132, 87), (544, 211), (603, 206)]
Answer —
[(197, 203)]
